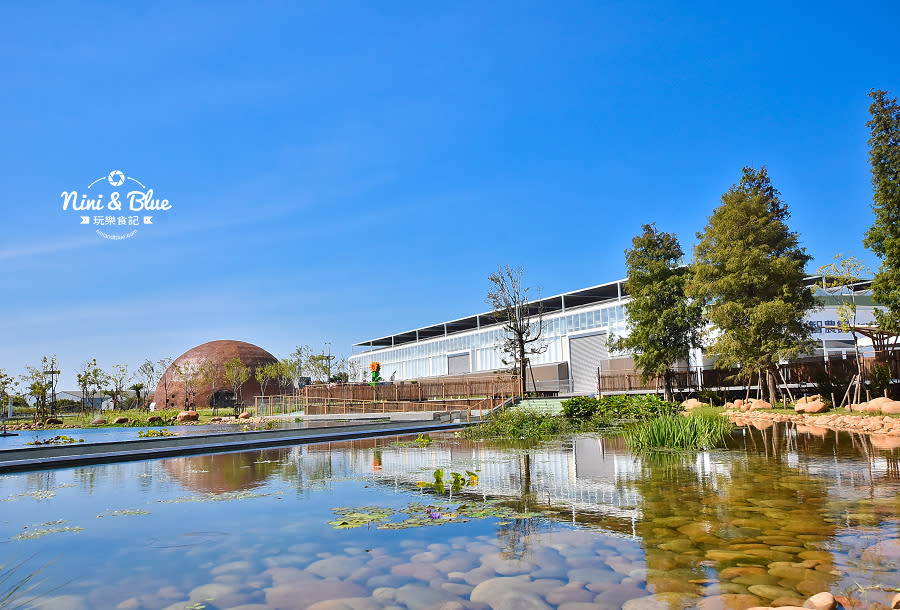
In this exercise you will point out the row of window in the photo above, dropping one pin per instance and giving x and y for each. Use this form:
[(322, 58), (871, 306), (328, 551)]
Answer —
[(429, 358)]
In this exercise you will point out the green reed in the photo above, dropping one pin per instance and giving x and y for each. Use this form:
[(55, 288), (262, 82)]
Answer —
[(692, 432)]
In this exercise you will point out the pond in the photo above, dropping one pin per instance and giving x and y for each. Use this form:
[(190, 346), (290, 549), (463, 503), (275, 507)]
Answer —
[(130, 433), (785, 513)]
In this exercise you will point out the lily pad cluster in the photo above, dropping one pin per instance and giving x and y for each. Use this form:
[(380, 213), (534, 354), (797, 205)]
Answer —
[(470, 479), (154, 433), (56, 440), (424, 515)]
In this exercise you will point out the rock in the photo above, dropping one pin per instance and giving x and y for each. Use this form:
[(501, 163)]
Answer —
[(331, 567), (154, 419), (728, 601), (739, 403), (99, 422), (662, 601), (770, 591), (52, 421), (809, 399), (821, 601), (757, 403), (510, 593), (418, 596), (347, 603), (885, 405), (244, 415), (120, 420), (215, 420), (895, 603), (187, 416), (815, 406), (692, 403)]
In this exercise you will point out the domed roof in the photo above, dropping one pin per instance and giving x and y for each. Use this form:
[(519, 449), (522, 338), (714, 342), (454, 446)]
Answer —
[(215, 353), (222, 351)]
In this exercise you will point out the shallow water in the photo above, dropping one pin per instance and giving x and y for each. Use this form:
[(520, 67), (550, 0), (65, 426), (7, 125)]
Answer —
[(130, 433), (782, 514)]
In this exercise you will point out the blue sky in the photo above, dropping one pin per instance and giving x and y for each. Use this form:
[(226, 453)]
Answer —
[(343, 170)]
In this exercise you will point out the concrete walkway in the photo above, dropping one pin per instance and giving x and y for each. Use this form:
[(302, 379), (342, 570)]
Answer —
[(46, 457)]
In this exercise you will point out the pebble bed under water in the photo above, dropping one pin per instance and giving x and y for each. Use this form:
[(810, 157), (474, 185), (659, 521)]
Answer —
[(781, 515)]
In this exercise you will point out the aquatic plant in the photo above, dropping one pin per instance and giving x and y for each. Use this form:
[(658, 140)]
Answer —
[(470, 479), (422, 440), (57, 440), (692, 432), (154, 433), (17, 589), (425, 515)]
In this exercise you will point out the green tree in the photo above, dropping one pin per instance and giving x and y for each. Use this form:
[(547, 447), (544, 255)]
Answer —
[(265, 373), (116, 378), (665, 323), (236, 374), (6, 383), (522, 322), (189, 373), (883, 238), (749, 271), (841, 279), (136, 388)]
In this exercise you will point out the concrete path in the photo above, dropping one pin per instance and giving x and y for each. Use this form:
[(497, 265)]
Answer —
[(46, 457)]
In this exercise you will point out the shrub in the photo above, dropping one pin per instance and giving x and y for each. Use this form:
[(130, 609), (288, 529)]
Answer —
[(880, 379), (693, 432), (611, 408), (516, 424)]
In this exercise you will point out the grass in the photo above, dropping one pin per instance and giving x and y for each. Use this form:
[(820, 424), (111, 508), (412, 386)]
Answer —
[(693, 432), (18, 589)]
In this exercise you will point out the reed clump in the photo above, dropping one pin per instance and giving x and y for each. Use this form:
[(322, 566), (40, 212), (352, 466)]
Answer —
[(693, 432)]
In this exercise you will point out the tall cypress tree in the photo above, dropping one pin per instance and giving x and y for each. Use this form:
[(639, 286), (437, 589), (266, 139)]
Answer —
[(749, 270), (665, 324), (883, 238)]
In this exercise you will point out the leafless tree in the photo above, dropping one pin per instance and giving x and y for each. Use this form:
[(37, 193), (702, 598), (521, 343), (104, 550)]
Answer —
[(523, 321)]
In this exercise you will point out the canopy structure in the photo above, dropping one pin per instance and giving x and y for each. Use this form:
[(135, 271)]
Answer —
[(883, 341)]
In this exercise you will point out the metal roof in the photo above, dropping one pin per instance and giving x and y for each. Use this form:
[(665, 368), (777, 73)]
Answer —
[(560, 302)]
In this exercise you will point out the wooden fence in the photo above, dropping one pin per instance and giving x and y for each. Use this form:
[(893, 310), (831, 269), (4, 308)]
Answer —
[(441, 396), (800, 373)]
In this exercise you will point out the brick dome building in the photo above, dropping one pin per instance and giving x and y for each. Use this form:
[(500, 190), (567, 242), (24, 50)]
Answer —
[(207, 390)]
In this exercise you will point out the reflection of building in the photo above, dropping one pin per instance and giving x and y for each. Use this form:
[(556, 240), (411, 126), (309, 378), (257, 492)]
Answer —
[(577, 326)]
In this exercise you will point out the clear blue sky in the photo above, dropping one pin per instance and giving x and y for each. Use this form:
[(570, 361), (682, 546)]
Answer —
[(339, 171)]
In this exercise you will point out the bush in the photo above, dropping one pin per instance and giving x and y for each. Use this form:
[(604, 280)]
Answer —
[(516, 424), (880, 380), (637, 406)]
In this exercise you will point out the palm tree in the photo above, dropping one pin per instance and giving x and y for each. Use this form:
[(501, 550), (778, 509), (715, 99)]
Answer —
[(136, 388)]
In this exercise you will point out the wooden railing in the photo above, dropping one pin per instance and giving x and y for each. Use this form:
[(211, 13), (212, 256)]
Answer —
[(388, 398), (796, 374), (418, 390)]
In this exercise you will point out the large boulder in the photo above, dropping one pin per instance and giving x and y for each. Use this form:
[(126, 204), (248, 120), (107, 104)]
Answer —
[(739, 404), (52, 421), (99, 422), (120, 420), (187, 416), (692, 403), (814, 406), (244, 415), (884, 405), (154, 419), (757, 403)]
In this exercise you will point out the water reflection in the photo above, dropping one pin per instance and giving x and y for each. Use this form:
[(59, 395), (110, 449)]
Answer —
[(786, 512)]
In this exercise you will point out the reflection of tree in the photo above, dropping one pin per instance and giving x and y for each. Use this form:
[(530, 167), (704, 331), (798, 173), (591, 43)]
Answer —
[(515, 534), (701, 516)]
